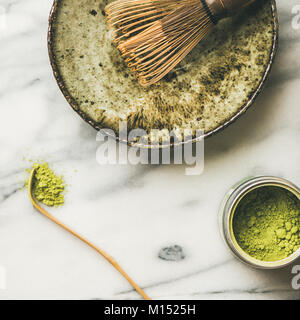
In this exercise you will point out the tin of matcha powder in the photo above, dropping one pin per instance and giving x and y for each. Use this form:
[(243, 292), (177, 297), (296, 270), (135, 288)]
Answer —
[(266, 223)]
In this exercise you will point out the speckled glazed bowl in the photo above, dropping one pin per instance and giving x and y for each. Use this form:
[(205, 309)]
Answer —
[(215, 84)]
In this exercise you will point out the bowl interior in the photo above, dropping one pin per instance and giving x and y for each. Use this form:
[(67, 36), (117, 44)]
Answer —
[(212, 86)]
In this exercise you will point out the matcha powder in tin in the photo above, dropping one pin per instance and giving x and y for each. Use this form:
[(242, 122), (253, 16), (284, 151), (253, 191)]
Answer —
[(48, 188), (266, 224)]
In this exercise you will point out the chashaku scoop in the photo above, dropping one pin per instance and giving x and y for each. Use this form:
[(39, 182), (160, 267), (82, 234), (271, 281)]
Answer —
[(106, 256)]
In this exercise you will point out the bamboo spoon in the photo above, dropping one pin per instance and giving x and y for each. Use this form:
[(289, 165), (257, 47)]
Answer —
[(101, 252)]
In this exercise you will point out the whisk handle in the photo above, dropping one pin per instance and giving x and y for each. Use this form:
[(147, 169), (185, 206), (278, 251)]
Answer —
[(224, 8), (232, 6)]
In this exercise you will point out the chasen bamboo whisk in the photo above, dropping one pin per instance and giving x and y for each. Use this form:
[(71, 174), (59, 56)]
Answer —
[(153, 36)]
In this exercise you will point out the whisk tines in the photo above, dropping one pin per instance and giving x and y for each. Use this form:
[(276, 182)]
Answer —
[(153, 36)]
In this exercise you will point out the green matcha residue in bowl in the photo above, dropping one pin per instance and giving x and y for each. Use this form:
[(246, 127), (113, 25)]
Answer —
[(48, 188), (266, 223)]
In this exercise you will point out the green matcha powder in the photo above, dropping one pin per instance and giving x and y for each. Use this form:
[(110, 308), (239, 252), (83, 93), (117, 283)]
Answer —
[(48, 188), (266, 224)]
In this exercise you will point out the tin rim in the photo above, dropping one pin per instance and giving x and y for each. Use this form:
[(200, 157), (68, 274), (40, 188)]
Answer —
[(95, 125), (236, 195)]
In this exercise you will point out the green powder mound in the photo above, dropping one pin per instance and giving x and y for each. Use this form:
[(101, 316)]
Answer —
[(266, 224), (48, 188)]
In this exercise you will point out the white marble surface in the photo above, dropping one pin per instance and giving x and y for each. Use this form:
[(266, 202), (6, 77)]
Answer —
[(130, 211)]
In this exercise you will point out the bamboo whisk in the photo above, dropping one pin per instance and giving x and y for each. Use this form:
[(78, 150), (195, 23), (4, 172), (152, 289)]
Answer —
[(153, 36)]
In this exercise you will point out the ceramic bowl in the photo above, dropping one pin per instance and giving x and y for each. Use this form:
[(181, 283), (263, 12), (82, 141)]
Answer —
[(210, 89)]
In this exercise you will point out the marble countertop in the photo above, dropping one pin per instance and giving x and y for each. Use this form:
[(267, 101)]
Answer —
[(130, 211)]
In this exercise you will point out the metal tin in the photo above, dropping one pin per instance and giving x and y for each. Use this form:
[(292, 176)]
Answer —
[(227, 210)]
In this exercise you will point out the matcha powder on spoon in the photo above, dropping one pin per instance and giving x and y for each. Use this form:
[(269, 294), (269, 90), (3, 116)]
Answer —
[(48, 188)]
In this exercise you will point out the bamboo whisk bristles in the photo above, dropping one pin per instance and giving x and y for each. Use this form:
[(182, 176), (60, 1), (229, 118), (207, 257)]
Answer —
[(155, 35)]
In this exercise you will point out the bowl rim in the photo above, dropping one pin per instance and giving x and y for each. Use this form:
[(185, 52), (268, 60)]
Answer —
[(97, 126)]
